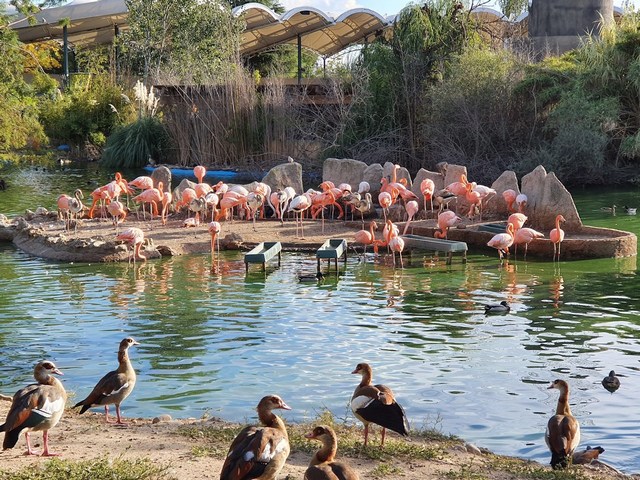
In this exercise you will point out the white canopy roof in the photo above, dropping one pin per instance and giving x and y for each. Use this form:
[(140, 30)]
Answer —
[(94, 21)]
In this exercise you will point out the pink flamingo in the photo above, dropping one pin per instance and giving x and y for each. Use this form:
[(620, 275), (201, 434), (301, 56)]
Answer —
[(152, 196), (135, 237), (254, 203), (475, 200), (117, 211), (557, 236), (212, 200), (199, 171), (396, 244), (186, 196), (167, 198), (412, 208), (521, 202), (427, 187), (143, 183), (502, 241), (526, 236), (298, 206), (214, 231), (517, 220), (458, 188), (385, 199), (509, 196), (446, 220), (367, 237)]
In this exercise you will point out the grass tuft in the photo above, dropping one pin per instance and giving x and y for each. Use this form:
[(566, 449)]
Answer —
[(101, 469)]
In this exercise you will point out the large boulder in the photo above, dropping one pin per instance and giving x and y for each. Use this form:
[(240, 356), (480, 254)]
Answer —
[(453, 173), (343, 170), (507, 181), (285, 175), (437, 178), (547, 197), (184, 184), (162, 174), (372, 175), (400, 173)]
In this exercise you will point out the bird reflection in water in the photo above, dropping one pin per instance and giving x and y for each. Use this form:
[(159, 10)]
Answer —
[(556, 289)]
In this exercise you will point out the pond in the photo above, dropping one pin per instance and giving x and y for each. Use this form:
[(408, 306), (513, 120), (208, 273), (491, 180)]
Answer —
[(213, 345)]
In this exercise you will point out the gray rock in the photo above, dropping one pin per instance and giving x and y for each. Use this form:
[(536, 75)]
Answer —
[(162, 418), (184, 184), (162, 174), (546, 198), (506, 181), (372, 175), (453, 173), (343, 170), (285, 175)]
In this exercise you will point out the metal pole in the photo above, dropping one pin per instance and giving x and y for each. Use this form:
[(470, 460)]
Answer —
[(116, 33), (65, 57), (299, 59)]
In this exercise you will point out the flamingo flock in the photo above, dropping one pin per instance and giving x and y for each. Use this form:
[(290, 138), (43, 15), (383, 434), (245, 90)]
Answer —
[(222, 202)]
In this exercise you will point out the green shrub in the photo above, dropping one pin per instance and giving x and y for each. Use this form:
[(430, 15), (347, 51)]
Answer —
[(131, 146)]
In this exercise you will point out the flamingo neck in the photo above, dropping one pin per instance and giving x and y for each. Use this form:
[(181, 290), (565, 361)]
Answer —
[(440, 233)]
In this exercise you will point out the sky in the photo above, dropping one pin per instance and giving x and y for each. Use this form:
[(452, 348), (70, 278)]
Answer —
[(384, 7)]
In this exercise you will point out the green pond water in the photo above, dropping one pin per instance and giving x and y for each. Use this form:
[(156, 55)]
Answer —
[(214, 344)]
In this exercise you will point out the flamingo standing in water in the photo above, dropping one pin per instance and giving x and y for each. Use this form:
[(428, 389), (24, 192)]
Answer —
[(367, 237), (557, 236), (396, 244), (446, 220), (214, 231), (526, 236), (502, 241), (135, 237)]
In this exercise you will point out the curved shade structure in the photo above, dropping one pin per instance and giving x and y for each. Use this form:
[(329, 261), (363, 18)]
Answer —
[(94, 21), (318, 31), (91, 21)]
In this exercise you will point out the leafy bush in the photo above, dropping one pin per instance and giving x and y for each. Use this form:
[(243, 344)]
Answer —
[(90, 105), (132, 145)]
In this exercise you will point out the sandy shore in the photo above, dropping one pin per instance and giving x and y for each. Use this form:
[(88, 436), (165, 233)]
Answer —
[(197, 457)]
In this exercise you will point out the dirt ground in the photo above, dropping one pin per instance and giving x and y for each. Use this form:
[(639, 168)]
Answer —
[(85, 437)]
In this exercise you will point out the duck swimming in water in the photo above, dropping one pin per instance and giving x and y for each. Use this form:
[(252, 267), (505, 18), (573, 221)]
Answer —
[(630, 210), (502, 307), (318, 277), (611, 383)]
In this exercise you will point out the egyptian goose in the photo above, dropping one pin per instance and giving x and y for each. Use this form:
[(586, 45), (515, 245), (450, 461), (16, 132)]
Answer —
[(115, 386), (563, 430), (611, 382), (323, 465), (587, 456), (377, 404), (502, 307), (259, 452), (37, 407)]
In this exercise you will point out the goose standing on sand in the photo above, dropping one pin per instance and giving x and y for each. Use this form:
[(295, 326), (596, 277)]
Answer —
[(377, 404), (323, 465), (611, 383), (115, 386), (36, 408), (259, 452), (563, 430)]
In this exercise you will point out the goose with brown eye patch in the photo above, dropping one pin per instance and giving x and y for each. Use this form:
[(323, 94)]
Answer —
[(36, 408), (115, 386), (563, 430), (259, 452), (323, 465)]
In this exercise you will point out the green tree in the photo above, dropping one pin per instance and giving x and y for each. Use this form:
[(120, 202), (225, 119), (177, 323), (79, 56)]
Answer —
[(181, 40)]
